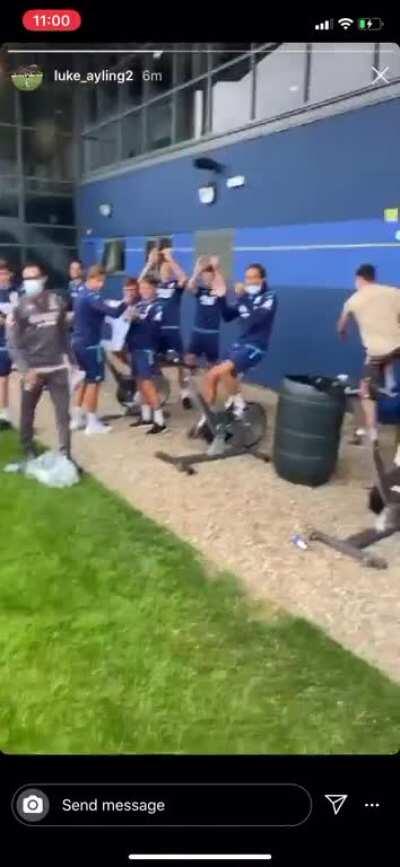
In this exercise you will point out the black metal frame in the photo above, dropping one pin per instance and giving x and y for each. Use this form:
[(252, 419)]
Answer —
[(219, 450), (355, 546)]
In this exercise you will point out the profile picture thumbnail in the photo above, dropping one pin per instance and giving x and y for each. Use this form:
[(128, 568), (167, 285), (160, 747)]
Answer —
[(27, 78)]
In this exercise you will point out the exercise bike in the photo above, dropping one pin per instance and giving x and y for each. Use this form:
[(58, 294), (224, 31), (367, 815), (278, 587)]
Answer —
[(228, 435), (384, 497)]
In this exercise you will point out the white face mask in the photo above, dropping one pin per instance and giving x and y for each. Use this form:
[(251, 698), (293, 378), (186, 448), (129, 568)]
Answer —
[(33, 286), (253, 288)]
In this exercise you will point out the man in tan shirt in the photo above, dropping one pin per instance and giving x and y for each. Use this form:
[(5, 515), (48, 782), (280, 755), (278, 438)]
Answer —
[(376, 310)]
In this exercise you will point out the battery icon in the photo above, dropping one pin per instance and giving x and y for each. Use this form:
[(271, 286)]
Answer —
[(370, 23)]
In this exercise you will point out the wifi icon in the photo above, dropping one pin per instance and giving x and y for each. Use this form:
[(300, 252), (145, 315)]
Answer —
[(345, 22)]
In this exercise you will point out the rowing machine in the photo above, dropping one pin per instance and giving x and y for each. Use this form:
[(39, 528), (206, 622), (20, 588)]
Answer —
[(384, 498), (229, 436)]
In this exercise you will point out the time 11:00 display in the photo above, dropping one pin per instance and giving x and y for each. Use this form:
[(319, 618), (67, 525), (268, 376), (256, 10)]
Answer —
[(51, 19)]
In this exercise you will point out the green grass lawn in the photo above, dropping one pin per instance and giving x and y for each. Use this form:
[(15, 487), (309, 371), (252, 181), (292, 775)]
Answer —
[(114, 638)]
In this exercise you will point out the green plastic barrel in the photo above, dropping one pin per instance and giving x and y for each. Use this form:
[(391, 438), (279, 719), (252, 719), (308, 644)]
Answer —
[(307, 432)]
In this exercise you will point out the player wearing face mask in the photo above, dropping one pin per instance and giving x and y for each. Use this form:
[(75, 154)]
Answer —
[(38, 341), (256, 308)]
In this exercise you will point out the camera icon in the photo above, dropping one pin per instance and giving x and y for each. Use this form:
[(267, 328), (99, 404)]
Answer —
[(31, 805)]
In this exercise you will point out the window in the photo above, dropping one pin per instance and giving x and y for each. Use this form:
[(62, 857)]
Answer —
[(159, 124), (9, 197), (287, 66), (191, 111), (132, 90), (48, 103), (7, 101), (226, 52), (113, 259), (8, 150), (160, 72), (338, 68), (51, 235), (47, 208), (132, 135), (231, 96), (101, 146), (47, 154), (160, 242)]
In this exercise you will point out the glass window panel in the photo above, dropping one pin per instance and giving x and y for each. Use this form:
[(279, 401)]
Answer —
[(101, 147), (40, 185), (339, 67), (200, 58), (9, 192), (113, 259), (159, 124), (280, 77), (46, 154), (54, 103), (132, 90), (132, 135), (48, 234), (48, 208), (231, 96), (109, 96), (7, 100), (225, 52), (12, 252), (8, 150), (183, 64), (191, 111), (158, 74)]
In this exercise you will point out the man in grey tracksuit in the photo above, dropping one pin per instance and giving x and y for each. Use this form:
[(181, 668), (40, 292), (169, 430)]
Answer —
[(38, 341)]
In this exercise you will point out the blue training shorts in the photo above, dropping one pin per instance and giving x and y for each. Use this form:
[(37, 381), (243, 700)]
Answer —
[(144, 363), (5, 362), (171, 341), (244, 356), (90, 359), (204, 344)]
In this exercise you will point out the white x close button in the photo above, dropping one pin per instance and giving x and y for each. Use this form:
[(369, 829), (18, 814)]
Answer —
[(380, 75)]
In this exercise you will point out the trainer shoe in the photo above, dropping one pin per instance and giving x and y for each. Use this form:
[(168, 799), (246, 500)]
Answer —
[(141, 422), (187, 403), (157, 429), (77, 424), (204, 431), (97, 427)]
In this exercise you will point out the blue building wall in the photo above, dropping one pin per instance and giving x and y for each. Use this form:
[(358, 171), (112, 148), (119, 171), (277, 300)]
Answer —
[(311, 211)]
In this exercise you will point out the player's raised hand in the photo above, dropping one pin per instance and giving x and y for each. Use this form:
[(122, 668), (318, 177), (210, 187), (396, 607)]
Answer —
[(239, 288)]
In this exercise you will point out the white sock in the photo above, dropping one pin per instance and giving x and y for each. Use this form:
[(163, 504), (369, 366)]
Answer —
[(5, 413), (185, 393), (360, 432), (146, 412), (373, 435), (92, 419), (397, 457), (239, 402), (159, 417), (78, 413)]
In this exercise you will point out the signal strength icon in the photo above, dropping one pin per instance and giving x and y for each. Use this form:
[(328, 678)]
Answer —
[(345, 23), (324, 25)]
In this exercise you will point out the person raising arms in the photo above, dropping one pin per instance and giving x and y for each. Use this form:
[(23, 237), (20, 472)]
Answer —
[(256, 307), (204, 340), (172, 282)]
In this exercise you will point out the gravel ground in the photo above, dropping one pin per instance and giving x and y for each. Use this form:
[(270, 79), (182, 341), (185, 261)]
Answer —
[(240, 515)]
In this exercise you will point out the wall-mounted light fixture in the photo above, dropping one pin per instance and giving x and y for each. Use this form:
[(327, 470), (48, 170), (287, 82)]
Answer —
[(105, 209), (207, 194), (236, 181)]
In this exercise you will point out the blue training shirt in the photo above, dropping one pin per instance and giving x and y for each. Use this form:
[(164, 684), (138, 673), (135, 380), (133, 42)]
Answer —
[(208, 311), (169, 295), (256, 313), (145, 332), (73, 290), (90, 311)]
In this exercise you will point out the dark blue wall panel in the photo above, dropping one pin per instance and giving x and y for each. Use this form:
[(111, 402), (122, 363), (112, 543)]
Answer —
[(311, 211)]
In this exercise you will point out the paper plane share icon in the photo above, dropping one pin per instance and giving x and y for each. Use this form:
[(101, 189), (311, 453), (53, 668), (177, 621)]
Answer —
[(336, 802)]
